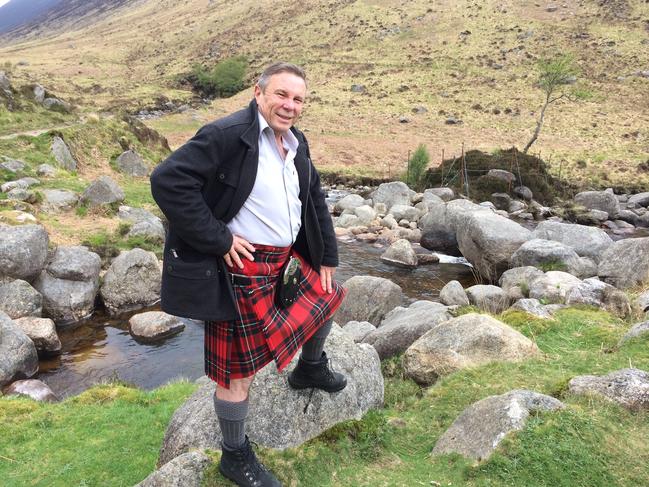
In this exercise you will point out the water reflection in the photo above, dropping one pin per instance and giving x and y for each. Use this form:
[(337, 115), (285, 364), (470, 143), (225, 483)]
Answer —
[(101, 348)]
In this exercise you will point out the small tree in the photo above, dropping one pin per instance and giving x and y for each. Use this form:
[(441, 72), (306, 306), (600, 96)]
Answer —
[(226, 78), (553, 75), (417, 166)]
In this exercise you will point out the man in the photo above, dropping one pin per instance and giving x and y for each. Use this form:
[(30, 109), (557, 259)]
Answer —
[(242, 199)]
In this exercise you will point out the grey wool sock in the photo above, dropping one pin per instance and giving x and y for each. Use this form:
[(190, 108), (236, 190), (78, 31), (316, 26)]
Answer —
[(232, 418), (314, 346)]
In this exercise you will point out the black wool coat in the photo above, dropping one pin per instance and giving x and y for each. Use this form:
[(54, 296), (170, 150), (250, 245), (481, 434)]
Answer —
[(202, 186)]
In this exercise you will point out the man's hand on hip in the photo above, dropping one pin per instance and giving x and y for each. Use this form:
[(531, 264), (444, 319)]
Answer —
[(240, 248), (327, 278)]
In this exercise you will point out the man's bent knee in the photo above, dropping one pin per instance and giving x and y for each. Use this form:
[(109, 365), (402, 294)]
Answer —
[(238, 390)]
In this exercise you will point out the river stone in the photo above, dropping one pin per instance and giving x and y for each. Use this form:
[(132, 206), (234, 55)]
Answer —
[(131, 163), (75, 263), (281, 417), (436, 233), (446, 194), (23, 251), (516, 282), (598, 215), (58, 200), (407, 212), (466, 341), (62, 154), (18, 298), (102, 191), (625, 263), (627, 387), (517, 208), (429, 200), (42, 331), (18, 356), (368, 298), (488, 298), (347, 221), (12, 165), (365, 213), (393, 193), (186, 470), (154, 325), (538, 252), (587, 241), (479, 429), (453, 294), (639, 199), (501, 201), (636, 331), (358, 329), (524, 193), (66, 301), (132, 281), (532, 307), (402, 326), (553, 287), (388, 221), (401, 254), (594, 292), (599, 200), (488, 241), (348, 202), (46, 170), (32, 388)]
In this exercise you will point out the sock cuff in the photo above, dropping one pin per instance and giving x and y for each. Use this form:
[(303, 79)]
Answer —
[(231, 411)]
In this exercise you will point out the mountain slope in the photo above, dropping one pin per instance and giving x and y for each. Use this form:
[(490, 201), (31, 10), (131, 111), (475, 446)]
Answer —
[(469, 60)]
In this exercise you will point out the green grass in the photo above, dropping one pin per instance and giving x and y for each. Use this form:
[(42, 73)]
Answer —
[(591, 443)]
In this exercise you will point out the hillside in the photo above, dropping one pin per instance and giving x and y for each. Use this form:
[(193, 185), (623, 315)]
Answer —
[(472, 61)]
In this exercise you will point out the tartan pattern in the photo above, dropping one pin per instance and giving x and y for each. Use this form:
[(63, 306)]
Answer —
[(264, 332)]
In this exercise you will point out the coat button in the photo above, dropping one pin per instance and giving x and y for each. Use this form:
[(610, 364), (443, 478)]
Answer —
[(221, 176), (170, 267), (208, 273)]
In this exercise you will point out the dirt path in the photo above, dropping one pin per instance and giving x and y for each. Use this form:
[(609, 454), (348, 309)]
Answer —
[(37, 132)]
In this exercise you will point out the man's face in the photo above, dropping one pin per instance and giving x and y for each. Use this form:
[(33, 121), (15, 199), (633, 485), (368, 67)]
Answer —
[(282, 101)]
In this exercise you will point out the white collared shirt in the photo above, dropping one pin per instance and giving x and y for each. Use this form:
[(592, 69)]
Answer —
[(271, 214)]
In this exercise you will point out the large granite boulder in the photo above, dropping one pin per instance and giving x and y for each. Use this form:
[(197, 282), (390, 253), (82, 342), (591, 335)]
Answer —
[(400, 254), (131, 163), (453, 294), (62, 154), (594, 292), (153, 326), (587, 241), (477, 432), (368, 299), (393, 193), (407, 212), (639, 200), (69, 284), (42, 331), (18, 356), (18, 298), (599, 200), (446, 194), (358, 329), (23, 251), (186, 470), (625, 263), (402, 326), (486, 297), (516, 282), (281, 417), (466, 341), (144, 223), (627, 387), (55, 200), (349, 202), (539, 253), (436, 233), (553, 287), (132, 281), (32, 388), (488, 240), (532, 307), (102, 191)]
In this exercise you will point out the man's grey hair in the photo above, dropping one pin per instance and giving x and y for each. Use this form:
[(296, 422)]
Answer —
[(280, 67)]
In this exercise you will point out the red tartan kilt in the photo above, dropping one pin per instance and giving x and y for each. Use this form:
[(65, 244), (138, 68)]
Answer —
[(264, 332)]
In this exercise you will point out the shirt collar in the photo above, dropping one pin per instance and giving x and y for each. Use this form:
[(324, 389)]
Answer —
[(290, 141)]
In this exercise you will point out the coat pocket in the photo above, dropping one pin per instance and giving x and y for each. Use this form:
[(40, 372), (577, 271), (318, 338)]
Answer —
[(202, 269)]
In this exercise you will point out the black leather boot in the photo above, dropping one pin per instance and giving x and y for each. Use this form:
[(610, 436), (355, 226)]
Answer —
[(242, 467), (317, 375)]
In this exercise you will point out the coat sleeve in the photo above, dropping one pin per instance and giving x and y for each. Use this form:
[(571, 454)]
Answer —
[(177, 186), (330, 255)]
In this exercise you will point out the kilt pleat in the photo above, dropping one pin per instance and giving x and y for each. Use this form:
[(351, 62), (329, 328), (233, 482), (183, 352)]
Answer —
[(263, 332)]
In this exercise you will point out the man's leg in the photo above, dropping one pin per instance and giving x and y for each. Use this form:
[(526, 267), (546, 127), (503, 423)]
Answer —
[(313, 367), (238, 461)]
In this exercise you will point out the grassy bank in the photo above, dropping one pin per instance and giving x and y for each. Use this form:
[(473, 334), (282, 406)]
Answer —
[(110, 435)]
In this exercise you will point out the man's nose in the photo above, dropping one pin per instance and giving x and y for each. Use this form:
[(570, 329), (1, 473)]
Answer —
[(289, 104)]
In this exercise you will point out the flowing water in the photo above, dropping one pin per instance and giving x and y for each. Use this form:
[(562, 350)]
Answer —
[(102, 348)]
